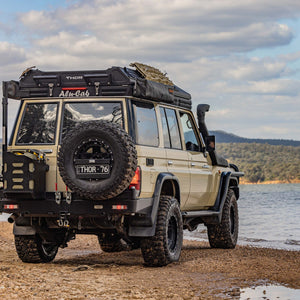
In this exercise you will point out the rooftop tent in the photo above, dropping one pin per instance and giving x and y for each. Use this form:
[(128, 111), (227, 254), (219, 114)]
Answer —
[(142, 82)]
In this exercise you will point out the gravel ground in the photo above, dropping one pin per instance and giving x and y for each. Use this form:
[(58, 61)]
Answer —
[(83, 271)]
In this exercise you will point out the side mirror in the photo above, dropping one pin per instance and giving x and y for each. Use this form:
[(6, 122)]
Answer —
[(210, 142)]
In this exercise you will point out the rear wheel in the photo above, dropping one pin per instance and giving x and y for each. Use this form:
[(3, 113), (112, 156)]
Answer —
[(32, 249), (225, 234), (165, 246)]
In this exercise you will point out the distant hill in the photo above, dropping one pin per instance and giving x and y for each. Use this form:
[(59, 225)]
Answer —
[(263, 162), (224, 137)]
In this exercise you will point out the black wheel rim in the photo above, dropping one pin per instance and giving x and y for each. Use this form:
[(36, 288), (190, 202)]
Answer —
[(92, 150), (49, 249), (172, 233), (231, 220)]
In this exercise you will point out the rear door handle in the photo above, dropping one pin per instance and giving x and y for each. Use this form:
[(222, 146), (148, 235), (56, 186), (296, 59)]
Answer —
[(205, 166), (193, 164), (170, 163)]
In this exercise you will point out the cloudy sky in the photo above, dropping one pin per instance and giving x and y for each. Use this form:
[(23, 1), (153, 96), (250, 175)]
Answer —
[(241, 57)]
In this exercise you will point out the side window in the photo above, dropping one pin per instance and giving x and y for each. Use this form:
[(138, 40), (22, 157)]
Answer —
[(146, 129), (165, 128), (190, 139), (173, 129)]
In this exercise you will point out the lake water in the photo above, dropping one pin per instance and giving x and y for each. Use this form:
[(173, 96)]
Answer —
[(269, 217)]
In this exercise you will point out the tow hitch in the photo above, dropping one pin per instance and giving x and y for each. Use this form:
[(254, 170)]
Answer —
[(63, 220)]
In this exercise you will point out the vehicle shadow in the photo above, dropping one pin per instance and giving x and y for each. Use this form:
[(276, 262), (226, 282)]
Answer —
[(99, 259)]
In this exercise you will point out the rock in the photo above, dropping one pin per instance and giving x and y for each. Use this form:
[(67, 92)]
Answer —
[(81, 268)]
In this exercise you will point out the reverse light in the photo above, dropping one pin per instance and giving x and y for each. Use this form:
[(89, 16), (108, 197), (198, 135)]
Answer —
[(11, 206), (136, 180)]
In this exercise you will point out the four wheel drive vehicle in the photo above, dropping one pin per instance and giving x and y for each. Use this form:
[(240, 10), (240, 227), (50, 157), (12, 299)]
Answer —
[(115, 153)]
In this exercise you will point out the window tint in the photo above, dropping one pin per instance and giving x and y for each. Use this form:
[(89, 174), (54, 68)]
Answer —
[(165, 128), (38, 124), (190, 138), (173, 129), (75, 113), (146, 130)]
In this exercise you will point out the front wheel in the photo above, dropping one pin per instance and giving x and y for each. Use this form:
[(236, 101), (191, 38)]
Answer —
[(165, 246), (32, 249), (225, 234), (110, 243)]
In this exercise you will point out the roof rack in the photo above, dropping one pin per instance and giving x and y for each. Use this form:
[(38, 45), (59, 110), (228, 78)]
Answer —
[(143, 82)]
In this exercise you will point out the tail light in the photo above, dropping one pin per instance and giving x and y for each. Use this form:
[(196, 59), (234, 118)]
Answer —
[(136, 180), (11, 206)]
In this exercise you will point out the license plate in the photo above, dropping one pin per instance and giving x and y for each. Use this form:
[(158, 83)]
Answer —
[(92, 169)]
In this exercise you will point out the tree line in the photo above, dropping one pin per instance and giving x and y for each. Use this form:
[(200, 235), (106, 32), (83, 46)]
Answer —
[(263, 162)]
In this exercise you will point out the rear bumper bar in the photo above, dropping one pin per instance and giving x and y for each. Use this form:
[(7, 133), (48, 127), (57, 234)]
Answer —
[(50, 208)]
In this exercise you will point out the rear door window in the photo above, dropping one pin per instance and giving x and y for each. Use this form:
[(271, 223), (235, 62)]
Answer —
[(38, 125), (165, 127), (76, 113), (173, 129)]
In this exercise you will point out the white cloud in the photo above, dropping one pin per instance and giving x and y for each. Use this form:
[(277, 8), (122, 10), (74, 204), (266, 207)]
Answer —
[(257, 70), (11, 54), (167, 30), (39, 21)]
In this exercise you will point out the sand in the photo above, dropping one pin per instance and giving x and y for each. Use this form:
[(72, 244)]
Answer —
[(83, 271)]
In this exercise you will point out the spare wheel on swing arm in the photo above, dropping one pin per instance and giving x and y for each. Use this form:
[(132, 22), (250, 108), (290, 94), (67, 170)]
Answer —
[(97, 160)]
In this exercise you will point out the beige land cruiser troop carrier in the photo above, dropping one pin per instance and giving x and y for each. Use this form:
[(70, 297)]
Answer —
[(116, 153)]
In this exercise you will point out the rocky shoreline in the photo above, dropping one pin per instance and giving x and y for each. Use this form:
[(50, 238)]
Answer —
[(245, 182), (83, 271)]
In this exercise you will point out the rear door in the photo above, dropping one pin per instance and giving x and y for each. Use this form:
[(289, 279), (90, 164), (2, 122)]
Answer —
[(37, 130), (151, 156), (177, 158)]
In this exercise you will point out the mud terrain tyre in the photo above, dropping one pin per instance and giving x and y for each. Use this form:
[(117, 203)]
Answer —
[(32, 249), (225, 234), (110, 243), (98, 141), (165, 246)]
